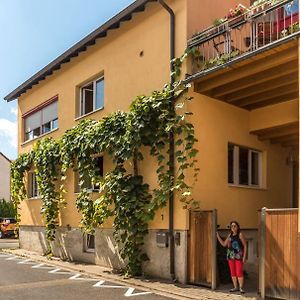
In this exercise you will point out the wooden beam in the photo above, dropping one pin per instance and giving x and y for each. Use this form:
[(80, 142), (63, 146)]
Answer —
[(290, 144), (277, 134), (275, 92), (249, 69), (283, 139), (262, 87), (275, 100), (261, 77)]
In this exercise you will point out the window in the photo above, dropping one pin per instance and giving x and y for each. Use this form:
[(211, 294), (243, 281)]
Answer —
[(89, 243), (99, 173), (244, 166), (41, 121), (32, 186), (92, 96)]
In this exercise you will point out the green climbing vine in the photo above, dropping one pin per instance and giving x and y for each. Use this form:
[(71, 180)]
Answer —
[(123, 137)]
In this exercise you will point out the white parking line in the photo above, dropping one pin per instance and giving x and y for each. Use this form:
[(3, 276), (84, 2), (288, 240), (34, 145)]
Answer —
[(13, 258), (4, 255), (26, 262), (76, 276), (130, 291), (100, 284), (58, 271), (42, 266)]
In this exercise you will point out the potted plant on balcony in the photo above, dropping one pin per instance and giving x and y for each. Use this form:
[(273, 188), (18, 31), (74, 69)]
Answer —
[(236, 15)]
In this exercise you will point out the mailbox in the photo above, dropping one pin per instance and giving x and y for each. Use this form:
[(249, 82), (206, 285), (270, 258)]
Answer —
[(162, 238)]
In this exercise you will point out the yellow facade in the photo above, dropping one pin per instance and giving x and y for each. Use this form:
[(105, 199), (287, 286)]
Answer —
[(134, 60)]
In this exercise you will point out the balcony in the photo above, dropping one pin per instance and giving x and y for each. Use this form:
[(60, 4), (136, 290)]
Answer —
[(250, 60)]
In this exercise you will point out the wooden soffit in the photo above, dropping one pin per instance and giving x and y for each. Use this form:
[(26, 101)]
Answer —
[(286, 135), (259, 80)]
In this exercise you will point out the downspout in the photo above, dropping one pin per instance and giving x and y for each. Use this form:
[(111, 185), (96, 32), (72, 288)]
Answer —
[(171, 139)]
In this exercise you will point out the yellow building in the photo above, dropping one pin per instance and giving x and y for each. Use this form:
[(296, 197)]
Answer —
[(245, 112)]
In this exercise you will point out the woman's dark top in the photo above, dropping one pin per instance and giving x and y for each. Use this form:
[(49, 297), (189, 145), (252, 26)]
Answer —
[(235, 248)]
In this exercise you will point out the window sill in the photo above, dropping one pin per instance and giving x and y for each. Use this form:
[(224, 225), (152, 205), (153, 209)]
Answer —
[(34, 198), (89, 191), (90, 113), (247, 187), (91, 251), (40, 136)]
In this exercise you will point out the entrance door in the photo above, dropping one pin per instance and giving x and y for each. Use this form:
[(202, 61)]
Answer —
[(202, 248)]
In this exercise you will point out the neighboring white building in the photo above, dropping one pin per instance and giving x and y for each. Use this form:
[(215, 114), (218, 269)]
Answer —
[(4, 177)]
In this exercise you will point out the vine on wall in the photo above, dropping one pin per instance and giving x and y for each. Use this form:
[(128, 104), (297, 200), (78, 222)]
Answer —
[(123, 193)]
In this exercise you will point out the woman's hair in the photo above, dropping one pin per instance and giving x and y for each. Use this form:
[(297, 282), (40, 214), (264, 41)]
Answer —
[(238, 227)]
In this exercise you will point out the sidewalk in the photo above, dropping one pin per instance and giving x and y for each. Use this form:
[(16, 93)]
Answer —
[(164, 288)]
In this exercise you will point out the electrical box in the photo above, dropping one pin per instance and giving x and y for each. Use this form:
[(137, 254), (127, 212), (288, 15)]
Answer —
[(162, 239)]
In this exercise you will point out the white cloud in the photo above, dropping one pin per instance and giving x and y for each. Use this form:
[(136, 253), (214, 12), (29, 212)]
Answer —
[(14, 111), (8, 130)]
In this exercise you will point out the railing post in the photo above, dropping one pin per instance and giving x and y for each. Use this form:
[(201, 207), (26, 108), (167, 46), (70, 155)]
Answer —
[(262, 254)]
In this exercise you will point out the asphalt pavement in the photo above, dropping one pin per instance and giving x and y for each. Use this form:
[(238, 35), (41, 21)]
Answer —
[(9, 243), (24, 279)]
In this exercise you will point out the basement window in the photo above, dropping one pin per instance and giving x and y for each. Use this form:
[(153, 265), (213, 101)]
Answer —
[(40, 121), (244, 166), (92, 96), (89, 243)]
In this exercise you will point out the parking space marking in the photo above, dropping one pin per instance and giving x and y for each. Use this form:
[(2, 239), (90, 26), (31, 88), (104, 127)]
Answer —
[(100, 285), (26, 262), (130, 291), (4, 255), (78, 277), (75, 276), (42, 266), (13, 258), (58, 271)]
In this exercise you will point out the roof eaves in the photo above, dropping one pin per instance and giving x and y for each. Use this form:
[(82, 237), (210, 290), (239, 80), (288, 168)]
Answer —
[(5, 157), (113, 23)]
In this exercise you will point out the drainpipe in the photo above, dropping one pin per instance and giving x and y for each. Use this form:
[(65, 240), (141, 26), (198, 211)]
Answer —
[(171, 140)]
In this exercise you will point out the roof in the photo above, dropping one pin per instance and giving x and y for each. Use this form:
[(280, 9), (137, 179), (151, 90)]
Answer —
[(113, 23), (1, 154)]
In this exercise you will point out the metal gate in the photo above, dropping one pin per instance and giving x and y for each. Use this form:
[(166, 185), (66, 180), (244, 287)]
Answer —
[(202, 259), (279, 254)]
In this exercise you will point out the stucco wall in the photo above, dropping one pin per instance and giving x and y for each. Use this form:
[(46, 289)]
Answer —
[(4, 178), (216, 124)]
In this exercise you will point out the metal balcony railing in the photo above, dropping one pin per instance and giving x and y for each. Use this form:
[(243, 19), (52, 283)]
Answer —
[(257, 28)]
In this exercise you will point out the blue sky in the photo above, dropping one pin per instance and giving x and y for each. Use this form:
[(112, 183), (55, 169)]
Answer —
[(33, 33)]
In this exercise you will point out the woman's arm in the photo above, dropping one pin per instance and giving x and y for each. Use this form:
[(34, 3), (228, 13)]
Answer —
[(243, 240), (223, 243)]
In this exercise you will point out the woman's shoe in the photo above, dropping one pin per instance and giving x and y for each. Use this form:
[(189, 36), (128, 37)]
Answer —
[(234, 290), (242, 291)]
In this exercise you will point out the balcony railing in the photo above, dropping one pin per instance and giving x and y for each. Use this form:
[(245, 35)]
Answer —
[(256, 29)]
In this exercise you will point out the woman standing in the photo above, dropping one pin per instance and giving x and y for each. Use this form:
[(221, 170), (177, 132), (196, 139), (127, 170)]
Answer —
[(236, 255)]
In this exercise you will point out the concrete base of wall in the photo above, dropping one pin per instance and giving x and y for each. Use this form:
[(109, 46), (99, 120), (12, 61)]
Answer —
[(70, 245)]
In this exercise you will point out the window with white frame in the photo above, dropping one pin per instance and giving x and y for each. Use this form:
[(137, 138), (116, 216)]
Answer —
[(244, 166), (41, 121), (33, 191), (98, 163), (92, 96)]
